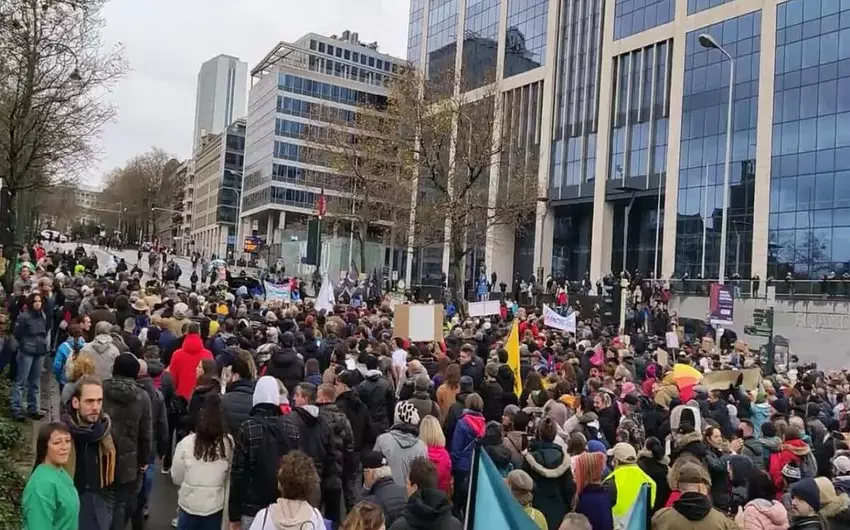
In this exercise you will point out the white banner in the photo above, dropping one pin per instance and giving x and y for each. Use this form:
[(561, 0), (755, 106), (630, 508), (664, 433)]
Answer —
[(483, 309), (325, 299), (277, 292), (554, 320)]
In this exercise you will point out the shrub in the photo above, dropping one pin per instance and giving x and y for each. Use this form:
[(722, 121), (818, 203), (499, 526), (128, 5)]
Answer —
[(10, 434)]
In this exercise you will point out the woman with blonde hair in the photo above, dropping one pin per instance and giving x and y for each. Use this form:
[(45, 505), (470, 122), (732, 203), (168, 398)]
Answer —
[(432, 435), (83, 365), (364, 516)]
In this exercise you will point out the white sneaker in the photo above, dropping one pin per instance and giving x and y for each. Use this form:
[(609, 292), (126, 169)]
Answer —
[(174, 523)]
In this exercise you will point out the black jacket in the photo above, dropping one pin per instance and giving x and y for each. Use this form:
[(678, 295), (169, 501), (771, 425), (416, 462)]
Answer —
[(454, 414), (346, 460), (316, 440), (129, 408), (197, 403), (494, 400), (657, 471), (427, 509), (391, 497), (101, 314), (554, 487), (159, 416), (376, 393), (475, 370), (358, 417), (244, 498), (31, 332), (287, 368), (237, 402)]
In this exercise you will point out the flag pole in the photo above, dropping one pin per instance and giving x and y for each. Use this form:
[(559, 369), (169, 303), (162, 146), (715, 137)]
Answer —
[(469, 515)]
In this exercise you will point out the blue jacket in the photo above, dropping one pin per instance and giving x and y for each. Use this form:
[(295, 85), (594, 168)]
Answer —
[(469, 428), (596, 503), (63, 352), (166, 339)]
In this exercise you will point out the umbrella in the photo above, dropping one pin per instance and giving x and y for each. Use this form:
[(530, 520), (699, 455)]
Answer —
[(686, 378)]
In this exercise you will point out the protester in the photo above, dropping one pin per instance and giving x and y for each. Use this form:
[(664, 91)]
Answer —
[(380, 489), (49, 500), (69, 349), (365, 516), (31, 330), (762, 511), (428, 507), (401, 444), (297, 480), (101, 349), (185, 361), (237, 401), (521, 486), (549, 467), (432, 435), (693, 509)]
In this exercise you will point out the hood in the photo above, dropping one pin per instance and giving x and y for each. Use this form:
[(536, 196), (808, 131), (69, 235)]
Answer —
[(439, 455), (402, 437), (287, 514), (240, 386), (373, 375), (351, 398), (492, 434), (547, 459), (120, 390), (309, 414), (426, 507), (773, 511), (146, 384), (102, 343), (772, 443), (474, 421), (286, 357), (693, 506), (192, 344), (796, 447), (837, 509), (691, 443), (155, 368), (266, 392), (754, 446)]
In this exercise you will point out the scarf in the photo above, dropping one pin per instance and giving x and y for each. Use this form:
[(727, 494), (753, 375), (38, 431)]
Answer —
[(99, 433)]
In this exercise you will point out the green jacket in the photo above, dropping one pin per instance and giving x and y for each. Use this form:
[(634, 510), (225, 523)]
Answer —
[(50, 500)]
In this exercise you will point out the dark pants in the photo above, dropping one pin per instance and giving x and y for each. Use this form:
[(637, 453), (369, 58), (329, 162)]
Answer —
[(95, 510), (461, 479), (332, 499), (126, 507), (187, 521)]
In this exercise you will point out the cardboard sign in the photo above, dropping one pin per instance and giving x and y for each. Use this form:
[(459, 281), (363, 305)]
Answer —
[(661, 357), (721, 380), (419, 323), (483, 309), (672, 339)]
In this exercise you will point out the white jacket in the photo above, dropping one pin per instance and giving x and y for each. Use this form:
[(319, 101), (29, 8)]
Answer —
[(203, 485), (287, 514)]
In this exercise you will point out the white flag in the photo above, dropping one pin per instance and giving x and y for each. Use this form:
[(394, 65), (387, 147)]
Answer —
[(325, 300)]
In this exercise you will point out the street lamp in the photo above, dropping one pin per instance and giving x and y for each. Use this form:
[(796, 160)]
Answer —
[(707, 41), (633, 191)]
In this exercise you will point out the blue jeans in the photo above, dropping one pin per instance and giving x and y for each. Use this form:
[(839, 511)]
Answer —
[(29, 378), (187, 521)]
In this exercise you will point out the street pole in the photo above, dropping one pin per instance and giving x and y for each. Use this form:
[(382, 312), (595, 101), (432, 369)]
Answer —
[(707, 41), (704, 219), (626, 229), (657, 230)]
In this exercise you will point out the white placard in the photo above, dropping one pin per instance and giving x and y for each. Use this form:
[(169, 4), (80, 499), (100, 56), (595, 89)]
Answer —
[(672, 339), (554, 320), (483, 309), (421, 323)]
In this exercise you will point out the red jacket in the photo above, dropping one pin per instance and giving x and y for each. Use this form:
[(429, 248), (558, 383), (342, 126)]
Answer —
[(184, 364), (441, 459), (792, 451)]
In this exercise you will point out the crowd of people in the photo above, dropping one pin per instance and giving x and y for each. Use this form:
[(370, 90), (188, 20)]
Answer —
[(290, 417)]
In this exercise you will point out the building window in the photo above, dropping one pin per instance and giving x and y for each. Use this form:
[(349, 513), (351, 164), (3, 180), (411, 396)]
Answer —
[(371, 61), (330, 49), (321, 47), (695, 6), (312, 44), (347, 55), (632, 17), (525, 42), (355, 57), (380, 65), (339, 52)]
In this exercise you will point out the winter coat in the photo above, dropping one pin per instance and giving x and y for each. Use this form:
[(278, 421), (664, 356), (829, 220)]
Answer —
[(796, 451), (445, 398), (101, 314), (401, 446), (836, 512), (629, 479), (657, 471), (425, 406), (391, 497), (286, 367), (202, 484), (554, 487), (311, 427), (427, 509), (237, 403), (64, 352), (494, 400), (761, 514), (196, 404), (264, 421), (376, 393), (516, 442), (760, 412), (469, 429), (694, 512), (287, 514), (596, 502), (31, 330), (349, 404), (159, 416), (129, 407), (755, 451), (443, 462), (103, 352), (184, 365), (346, 459), (453, 415)]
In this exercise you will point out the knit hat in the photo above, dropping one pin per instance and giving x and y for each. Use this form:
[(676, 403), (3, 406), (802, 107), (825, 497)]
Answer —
[(103, 328), (521, 485), (421, 382), (126, 365), (807, 490), (405, 412), (466, 384), (841, 465), (510, 411), (624, 453), (595, 446), (791, 472), (373, 460), (180, 310), (693, 473)]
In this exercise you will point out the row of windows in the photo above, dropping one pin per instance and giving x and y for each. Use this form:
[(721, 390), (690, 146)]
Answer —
[(309, 177), (414, 32), (346, 71), (442, 33), (325, 113), (793, 12), (301, 153), (525, 46), (348, 55), (695, 6), (305, 131), (327, 91), (634, 16)]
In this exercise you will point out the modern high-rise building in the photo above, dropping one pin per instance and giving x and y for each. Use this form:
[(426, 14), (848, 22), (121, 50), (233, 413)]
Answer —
[(299, 91), (627, 107), (216, 184), (220, 99)]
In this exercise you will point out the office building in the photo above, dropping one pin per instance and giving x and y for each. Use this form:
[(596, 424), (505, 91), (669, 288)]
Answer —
[(170, 216), (216, 186), (628, 109), (220, 99), (298, 91)]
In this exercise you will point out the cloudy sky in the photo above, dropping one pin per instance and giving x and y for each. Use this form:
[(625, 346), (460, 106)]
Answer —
[(166, 42)]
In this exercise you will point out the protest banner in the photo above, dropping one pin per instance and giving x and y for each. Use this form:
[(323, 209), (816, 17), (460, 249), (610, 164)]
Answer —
[(277, 292), (483, 309), (554, 320)]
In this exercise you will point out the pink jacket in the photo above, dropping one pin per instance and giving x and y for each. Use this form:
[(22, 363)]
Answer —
[(761, 514), (443, 461)]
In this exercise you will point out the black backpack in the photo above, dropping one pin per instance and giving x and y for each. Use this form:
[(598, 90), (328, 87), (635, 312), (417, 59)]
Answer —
[(273, 445)]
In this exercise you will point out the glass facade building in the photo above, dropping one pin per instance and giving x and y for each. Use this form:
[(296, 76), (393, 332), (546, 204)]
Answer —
[(525, 41), (635, 16)]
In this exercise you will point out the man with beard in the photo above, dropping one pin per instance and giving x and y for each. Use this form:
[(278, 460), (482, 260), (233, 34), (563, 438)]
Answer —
[(93, 455)]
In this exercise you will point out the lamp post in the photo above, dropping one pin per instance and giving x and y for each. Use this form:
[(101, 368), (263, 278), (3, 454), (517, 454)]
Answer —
[(624, 283), (707, 41)]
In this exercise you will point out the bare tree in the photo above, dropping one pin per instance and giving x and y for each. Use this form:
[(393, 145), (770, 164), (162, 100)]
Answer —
[(439, 152), (54, 72), (146, 182)]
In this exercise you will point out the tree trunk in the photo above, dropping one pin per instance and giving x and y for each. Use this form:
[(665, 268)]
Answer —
[(456, 268), (361, 239), (8, 222)]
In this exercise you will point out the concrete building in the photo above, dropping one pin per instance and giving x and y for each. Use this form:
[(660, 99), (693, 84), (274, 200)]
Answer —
[(169, 219), (629, 113), (86, 198), (216, 187), (220, 100), (187, 245), (297, 90)]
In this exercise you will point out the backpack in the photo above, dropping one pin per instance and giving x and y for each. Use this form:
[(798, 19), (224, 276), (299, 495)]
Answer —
[(271, 448), (315, 441)]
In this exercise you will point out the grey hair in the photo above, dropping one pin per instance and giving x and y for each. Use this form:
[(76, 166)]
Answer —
[(575, 521)]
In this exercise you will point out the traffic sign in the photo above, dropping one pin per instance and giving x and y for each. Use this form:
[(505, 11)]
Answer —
[(758, 331)]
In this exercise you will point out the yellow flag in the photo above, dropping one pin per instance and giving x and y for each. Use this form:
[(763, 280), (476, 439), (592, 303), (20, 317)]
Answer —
[(512, 347)]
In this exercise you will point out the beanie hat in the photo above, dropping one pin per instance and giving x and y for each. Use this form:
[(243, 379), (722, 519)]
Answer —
[(807, 490), (841, 465), (693, 473), (405, 412), (466, 384), (126, 365), (791, 472), (421, 382), (103, 328)]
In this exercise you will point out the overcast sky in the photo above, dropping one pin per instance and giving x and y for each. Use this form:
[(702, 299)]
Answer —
[(166, 42)]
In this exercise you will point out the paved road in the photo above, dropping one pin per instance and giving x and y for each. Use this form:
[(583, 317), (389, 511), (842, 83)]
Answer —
[(130, 256)]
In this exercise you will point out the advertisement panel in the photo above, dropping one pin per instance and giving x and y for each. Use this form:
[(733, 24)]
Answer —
[(721, 304)]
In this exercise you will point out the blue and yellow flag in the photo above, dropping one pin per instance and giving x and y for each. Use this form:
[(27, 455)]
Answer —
[(512, 347), (493, 506), (636, 519)]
